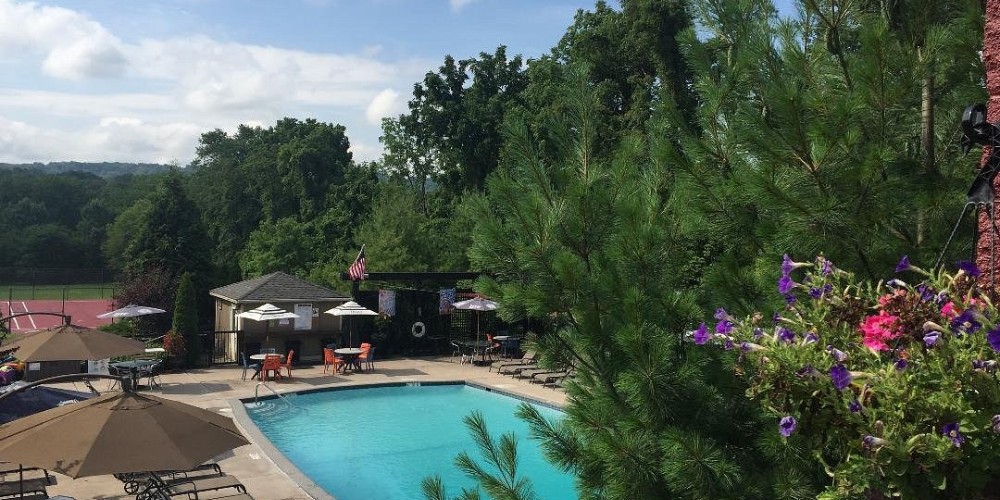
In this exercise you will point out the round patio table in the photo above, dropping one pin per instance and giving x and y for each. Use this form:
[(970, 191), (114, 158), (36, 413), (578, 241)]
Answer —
[(350, 355)]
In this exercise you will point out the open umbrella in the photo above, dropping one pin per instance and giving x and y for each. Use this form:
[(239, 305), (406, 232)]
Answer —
[(476, 304), (351, 308), (131, 311), (71, 342), (118, 433), (266, 313)]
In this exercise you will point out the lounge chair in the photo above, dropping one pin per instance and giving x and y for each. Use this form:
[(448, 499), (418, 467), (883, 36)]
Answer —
[(529, 358), (134, 481), (531, 372), (157, 488), (551, 377)]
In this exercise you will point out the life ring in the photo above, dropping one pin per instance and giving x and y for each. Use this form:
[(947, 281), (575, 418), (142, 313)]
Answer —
[(418, 329)]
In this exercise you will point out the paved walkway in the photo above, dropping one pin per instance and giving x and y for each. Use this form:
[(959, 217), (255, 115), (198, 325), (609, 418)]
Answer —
[(215, 388)]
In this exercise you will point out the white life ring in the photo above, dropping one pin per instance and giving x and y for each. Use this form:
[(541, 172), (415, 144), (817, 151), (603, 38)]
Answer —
[(418, 329)]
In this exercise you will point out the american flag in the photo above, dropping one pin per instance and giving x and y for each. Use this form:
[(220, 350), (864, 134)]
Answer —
[(357, 270)]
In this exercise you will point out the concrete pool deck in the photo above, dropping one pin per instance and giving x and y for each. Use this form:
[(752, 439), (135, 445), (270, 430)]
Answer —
[(214, 388)]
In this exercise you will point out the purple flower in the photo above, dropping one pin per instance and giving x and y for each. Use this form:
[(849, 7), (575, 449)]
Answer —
[(837, 354), (904, 264), (758, 332), (926, 292), (806, 371), (701, 334), (951, 431), (854, 406), (993, 337), (931, 338), (840, 377), (790, 299), (996, 423), (745, 347), (728, 345), (871, 441), (785, 285), (965, 322), (895, 282), (811, 338), (775, 318), (968, 268), (900, 364), (721, 314), (785, 335), (724, 327), (826, 268), (787, 265), (787, 425)]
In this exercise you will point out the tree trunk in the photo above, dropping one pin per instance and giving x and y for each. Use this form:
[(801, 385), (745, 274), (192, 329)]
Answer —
[(991, 61), (926, 142)]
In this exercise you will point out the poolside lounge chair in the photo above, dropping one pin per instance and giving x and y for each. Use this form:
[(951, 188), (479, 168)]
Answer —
[(134, 481), (157, 488), (13, 487), (529, 358), (550, 377), (531, 372)]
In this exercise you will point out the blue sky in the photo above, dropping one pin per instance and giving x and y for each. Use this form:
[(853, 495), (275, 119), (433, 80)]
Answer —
[(112, 80)]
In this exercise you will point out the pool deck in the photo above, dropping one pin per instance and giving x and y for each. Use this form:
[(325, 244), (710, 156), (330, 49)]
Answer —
[(215, 388)]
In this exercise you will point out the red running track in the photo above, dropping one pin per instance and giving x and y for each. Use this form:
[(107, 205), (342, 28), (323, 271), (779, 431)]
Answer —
[(83, 313)]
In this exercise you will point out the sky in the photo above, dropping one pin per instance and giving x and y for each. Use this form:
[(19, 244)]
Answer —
[(141, 80)]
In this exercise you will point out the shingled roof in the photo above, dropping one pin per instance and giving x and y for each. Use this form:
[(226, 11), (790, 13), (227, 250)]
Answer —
[(275, 287)]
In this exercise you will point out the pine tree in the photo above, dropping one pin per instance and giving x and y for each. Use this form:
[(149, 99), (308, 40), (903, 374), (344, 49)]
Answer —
[(186, 319), (583, 243), (809, 140)]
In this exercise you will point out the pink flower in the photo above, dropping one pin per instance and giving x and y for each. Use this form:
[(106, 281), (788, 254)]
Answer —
[(879, 329), (949, 310)]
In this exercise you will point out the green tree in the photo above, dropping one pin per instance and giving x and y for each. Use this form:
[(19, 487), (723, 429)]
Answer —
[(185, 320), (583, 244), (122, 230), (284, 245), (808, 142)]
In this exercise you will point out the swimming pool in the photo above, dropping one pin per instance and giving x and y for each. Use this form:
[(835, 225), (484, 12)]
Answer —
[(381, 442)]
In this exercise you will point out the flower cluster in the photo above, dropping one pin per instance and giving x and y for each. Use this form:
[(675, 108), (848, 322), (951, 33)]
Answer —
[(877, 377)]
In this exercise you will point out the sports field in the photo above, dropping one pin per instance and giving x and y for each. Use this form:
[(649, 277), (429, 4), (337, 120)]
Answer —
[(82, 312)]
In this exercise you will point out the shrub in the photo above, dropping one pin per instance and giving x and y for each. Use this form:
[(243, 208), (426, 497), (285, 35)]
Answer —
[(892, 387), (174, 344)]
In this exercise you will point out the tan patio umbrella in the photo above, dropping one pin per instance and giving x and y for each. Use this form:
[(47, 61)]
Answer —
[(71, 342), (118, 433)]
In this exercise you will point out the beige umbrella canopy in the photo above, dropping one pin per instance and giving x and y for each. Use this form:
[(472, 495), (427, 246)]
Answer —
[(118, 433), (71, 342)]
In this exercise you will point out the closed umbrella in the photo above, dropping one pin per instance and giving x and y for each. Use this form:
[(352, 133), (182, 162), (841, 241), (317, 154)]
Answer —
[(266, 313), (351, 308), (131, 311), (71, 342), (476, 304), (118, 433)]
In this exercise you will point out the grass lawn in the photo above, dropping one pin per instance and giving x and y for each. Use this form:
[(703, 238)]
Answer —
[(57, 292)]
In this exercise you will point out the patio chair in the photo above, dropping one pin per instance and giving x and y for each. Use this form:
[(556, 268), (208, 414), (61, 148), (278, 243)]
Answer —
[(330, 359), (529, 358), (365, 356), (248, 366), (288, 363), (493, 347), (368, 358), (272, 363), (152, 374)]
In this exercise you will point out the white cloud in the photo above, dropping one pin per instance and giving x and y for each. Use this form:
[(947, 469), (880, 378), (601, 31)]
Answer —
[(150, 99), (73, 45), (384, 104), (457, 5)]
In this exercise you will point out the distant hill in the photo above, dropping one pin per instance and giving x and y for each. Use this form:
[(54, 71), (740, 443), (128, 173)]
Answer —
[(104, 169)]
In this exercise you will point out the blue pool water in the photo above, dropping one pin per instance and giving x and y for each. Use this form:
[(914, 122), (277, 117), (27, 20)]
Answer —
[(380, 443)]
